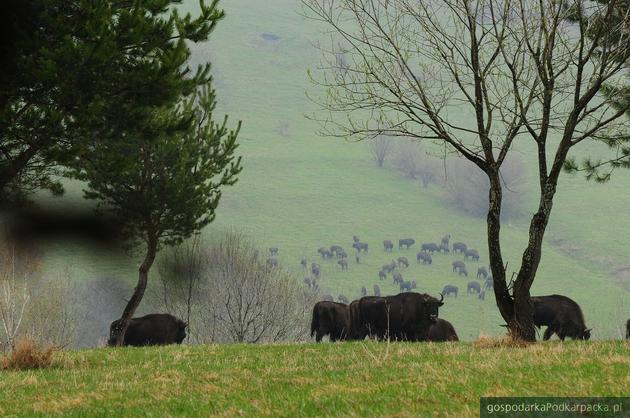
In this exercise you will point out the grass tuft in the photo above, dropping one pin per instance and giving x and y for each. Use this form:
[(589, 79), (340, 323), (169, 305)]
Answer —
[(28, 354), (504, 341)]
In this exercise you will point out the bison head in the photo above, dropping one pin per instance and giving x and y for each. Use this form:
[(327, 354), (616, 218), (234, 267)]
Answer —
[(433, 306), (586, 334)]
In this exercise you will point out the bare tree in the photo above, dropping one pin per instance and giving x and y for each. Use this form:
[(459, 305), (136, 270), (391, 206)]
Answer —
[(380, 148), (14, 297), (412, 161), (473, 76)]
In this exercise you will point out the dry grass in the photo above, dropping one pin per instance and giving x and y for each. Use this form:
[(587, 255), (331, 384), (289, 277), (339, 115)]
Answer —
[(504, 341), (28, 354)]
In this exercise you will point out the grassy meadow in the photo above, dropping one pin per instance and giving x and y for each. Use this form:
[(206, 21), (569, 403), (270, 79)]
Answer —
[(299, 191), (342, 379)]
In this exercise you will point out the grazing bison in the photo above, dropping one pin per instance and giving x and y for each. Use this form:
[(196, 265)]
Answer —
[(388, 244), (355, 238), (382, 275), (377, 290), (430, 247), (449, 289), (402, 261), (441, 331), (343, 263), (444, 248), (398, 278), (405, 286), (273, 250), (446, 239), (363, 291), (407, 242), (473, 254), (473, 287), (463, 271), (424, 257), (628, 329), (386, 268), (458, 265), (482, 271), (335, 249), (315, 271), (152, 329), (272, 262), (561, 315), (342, 299), (360, 246), (459, 246), (332, 319)]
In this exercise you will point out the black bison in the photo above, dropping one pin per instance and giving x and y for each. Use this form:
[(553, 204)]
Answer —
[(335, 249), (407, 242), (382, 275), (398, 278), (444, 248), (405, 286), (377, 290), (355, 238), (363, 291), (459, 246), (343, 299), (332, 319), (430, 247), (424, 257), (450, 289), (325, 252), (446, 239), (342, 254), (343, 263), (473, 287), (273, 250), (360, 246), (388, 244), (441, 331), (463, 271), (482, 295), (402, 261), (406, 316), (561, 315), (152, 329), (315, 269), (482, 271), (458, 265), (628, 329), (473, 254), (489, 283), (272, 262), (387, 268)]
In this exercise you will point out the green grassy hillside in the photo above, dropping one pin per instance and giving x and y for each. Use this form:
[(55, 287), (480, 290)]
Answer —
[(363, 379), (299, 191)]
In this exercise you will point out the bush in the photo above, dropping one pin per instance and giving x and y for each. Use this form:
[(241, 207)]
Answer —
[(26, 354), (413, 162)]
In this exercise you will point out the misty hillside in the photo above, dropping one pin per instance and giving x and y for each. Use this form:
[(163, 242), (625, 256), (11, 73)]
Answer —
[(300, 191)]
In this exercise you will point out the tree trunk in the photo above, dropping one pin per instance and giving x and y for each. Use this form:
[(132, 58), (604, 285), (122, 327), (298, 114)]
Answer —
[(118, 333)]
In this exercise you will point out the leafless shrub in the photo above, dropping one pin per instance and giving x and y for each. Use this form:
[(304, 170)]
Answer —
[(412, 161), (381, 147), (467, 188), (27, 353)]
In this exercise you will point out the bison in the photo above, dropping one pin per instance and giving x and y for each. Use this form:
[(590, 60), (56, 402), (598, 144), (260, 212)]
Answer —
[(315, 269), (382, 275), (388, 244), (303, 262), (489, 283), (402, 261), (473, 254), (473, 287), (407, 242), (430, 247), (355, 238), (405, 286), (377, 290), (444, 248), (561, 315), (152, 329), (458, 265), (628, 329), (273, 250), (343, 263), (441, 331), (446, 239), (332, 319), (335, 249), (450, 289), (482, 271), (424, 257), (398, 278), (459, 246), (482, 295), (360, 246)]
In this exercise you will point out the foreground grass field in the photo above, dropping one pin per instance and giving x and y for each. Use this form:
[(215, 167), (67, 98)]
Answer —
[(364, 379)]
